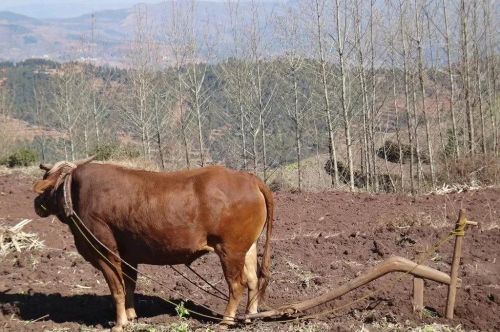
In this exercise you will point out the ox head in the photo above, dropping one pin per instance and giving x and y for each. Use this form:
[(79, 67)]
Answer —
[(50, 198)]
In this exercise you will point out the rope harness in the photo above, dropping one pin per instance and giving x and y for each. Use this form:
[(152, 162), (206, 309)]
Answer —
[(66, 179)]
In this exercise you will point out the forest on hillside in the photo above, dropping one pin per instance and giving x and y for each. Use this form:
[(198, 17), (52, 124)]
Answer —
[(392, 95)]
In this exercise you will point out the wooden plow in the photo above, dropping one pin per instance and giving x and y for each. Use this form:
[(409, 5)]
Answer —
[(393, 264)]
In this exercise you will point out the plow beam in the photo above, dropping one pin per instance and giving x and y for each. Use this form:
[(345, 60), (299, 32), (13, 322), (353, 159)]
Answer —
[(393, 264)]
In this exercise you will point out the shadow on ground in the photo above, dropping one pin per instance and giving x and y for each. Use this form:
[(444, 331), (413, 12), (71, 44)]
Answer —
[(85, 309)]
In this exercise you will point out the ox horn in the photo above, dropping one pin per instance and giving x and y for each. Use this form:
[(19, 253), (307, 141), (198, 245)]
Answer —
[(84, 161), (46, 167)]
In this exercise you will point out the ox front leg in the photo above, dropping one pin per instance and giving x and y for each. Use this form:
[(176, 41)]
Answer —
[(130, 278), (233, 265), (113, 276)]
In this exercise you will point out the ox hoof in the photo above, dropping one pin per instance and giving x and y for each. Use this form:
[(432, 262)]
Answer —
[(227, 322), (119, 327), (249, 320), (131, 315)]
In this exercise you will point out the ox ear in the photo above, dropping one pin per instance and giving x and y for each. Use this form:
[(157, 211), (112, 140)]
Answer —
[(42, 185)]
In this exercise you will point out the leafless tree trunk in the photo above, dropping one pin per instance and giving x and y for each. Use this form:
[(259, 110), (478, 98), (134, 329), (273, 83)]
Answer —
[(398, 130), (492, 77), (341, 35), (478, 85), (183, 118), (290, 30), (238, 78), (261, 99), (373, 102), (418, 39), (158, 126), (466, 75), (415, 129), (365, 157), (39, 116), (452, 83), (325, 91), (438, 109), (179, 34), (407, 94), (66, 96)]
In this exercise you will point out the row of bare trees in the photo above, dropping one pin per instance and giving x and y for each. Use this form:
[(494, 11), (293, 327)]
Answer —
[(383, 94)]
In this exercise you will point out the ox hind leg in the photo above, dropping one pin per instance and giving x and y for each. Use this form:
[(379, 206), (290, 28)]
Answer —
[(130, 279), (250, 271), (233, 265)]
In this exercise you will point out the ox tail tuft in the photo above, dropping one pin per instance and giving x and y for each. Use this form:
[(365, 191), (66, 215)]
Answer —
[(265, 273)]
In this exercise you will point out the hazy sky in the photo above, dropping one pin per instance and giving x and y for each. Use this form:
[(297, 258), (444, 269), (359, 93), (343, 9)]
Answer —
[(69, 8)]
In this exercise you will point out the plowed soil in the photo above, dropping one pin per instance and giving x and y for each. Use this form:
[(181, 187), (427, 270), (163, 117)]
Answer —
[(320, 241)]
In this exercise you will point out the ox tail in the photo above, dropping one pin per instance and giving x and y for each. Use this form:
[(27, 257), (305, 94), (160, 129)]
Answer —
[(265, 274)]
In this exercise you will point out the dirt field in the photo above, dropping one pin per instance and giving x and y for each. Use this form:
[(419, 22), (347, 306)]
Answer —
[(320, 241)]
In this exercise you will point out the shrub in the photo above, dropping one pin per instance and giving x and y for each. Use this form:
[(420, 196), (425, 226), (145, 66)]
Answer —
[(115, 151), (390, 150), (105, 151), (20, 157), (360, 180), (278, 183), (342, 169), (482, 169)]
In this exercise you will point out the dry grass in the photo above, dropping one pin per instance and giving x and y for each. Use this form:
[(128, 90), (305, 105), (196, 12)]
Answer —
[(13, 239), (480, 170), (136, 163), (385, 325), (30, 171)]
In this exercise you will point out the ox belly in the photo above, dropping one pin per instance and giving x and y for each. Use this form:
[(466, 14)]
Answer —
[(162, 247)]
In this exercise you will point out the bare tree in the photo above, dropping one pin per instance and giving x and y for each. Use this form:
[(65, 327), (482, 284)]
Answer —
[(372, 113), (366, 148), (341, 36), (178, 40), (296, 101), (452, 81), (492, 70), (319, 6), (396, 109), (406, 92), (195, 74), (438, 109), (477, 75), (464, 9), (235, 72), (67, 92), (419, 44), (138, 99), (262, 90)]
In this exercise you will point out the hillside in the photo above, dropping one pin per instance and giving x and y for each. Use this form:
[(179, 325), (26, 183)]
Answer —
[(106, 35)]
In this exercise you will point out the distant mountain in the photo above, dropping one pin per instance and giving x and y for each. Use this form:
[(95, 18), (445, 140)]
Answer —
[(106, 35), (65, 8)]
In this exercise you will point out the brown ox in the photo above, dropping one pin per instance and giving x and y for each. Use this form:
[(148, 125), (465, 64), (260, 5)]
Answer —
[(163, 219)]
